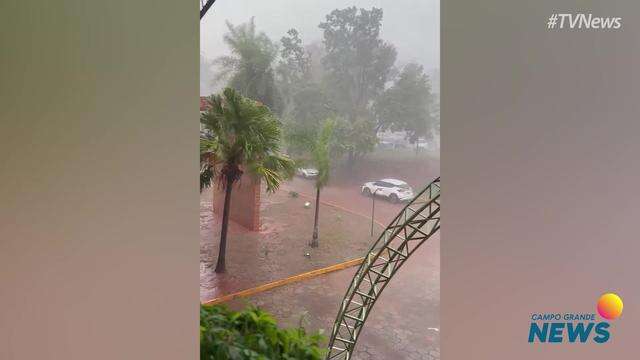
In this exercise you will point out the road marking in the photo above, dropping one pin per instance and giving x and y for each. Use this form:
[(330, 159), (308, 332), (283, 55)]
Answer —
[(338, 207), (285, 281)]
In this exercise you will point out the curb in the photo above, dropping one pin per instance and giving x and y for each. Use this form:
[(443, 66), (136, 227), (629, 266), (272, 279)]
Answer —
[(285, 281)]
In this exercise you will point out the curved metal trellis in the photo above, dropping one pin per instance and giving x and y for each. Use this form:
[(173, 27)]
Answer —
[(416, 223)]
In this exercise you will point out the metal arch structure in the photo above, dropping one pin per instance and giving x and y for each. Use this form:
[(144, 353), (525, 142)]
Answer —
[(414, 225), (204, 7)]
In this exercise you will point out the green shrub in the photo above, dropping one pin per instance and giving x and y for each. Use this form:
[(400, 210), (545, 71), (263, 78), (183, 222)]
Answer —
[(293, 194), (252, 334)]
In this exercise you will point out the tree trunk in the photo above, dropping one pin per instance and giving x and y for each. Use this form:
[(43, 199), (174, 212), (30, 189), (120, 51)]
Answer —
[(314, 239), (351, 160), (220, 266)]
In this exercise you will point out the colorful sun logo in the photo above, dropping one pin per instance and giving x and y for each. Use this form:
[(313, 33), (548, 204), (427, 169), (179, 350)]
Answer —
[(610, 306)]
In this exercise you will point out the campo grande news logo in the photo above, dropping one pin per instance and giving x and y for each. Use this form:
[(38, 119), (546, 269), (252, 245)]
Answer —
[(580, 327)]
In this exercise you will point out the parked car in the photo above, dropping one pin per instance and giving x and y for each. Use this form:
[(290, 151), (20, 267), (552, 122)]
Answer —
[(393, 189), (385, 145), (307, 173)]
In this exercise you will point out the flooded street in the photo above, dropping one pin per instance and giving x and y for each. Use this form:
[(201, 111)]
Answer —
[(405, 322)]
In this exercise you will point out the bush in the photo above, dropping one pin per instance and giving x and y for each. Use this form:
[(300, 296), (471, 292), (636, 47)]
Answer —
[(252, 334), (293, 194)]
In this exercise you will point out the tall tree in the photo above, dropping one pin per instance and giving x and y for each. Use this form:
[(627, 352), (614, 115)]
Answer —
[(249, 68), (358, 65), (354, 137), (408, 105), (293, 68), (306, 103), (304, 121), (246, 137), (316, 53), (322, 159)]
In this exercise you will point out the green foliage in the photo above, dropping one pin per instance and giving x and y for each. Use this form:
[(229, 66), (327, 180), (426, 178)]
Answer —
[(321, 153), (357, 60), (310, 105), (293, 68), (355, 137), (253, 334), (294, 57), (246, 135), (306, 102), (208, 149), (249, 68), (358, 65), (408, 104)]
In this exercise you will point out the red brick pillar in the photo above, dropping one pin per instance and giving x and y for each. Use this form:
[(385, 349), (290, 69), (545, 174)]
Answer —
[(245, 202)]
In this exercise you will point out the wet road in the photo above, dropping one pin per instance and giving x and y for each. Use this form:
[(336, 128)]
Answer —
[(404, 324), (347, 197)]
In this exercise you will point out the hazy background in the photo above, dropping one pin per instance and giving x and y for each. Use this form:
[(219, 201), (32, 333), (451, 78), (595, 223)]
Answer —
[(413, 26)]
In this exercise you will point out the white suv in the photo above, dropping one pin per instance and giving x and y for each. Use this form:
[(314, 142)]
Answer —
[(393, 189), (307, 173)]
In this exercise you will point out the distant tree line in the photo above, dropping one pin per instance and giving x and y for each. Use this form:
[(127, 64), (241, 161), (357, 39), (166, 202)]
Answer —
[(352, 79), (317, 103)]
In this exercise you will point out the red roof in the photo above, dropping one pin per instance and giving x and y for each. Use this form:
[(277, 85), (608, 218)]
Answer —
[(203, 103)]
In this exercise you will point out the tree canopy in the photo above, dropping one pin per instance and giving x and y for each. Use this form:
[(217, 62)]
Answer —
[(293, 68), (350, 76), (408, 104), (246, 135), (357, 61), (249, 68), (358, 65)]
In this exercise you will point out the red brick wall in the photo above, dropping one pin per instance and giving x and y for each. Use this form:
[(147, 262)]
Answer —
[(245, 202)]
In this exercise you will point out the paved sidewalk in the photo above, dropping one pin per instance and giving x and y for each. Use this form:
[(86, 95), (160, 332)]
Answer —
[(404, 323), (278, 250)]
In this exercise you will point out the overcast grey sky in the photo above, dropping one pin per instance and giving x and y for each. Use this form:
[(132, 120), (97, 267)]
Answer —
[(413, 26)]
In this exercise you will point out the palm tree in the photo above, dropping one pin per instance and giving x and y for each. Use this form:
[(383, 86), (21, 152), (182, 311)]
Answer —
[(245, 137), (249, 68), (208, 147), (322, 158)]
